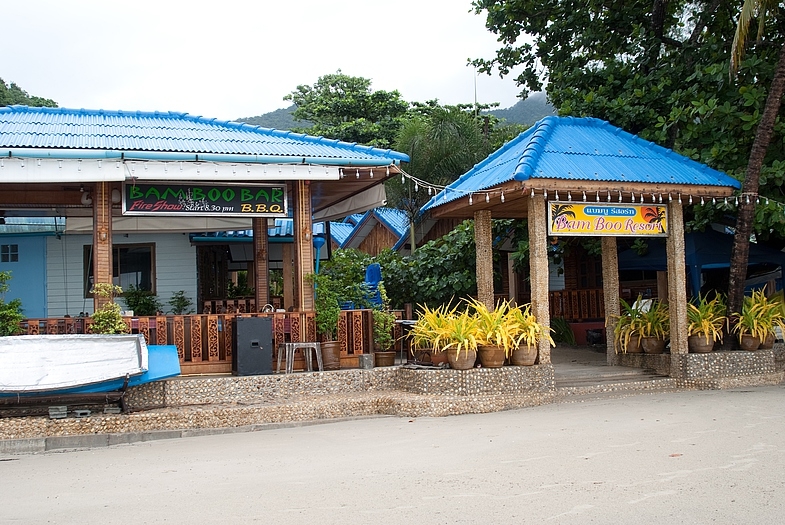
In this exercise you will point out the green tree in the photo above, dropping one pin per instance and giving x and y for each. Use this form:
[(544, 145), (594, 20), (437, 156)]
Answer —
[(345, 108), (659, 69), (763, 135), (13, 94)]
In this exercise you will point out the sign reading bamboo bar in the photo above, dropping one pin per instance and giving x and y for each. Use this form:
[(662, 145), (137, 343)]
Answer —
[(225, 200), (640, 220)]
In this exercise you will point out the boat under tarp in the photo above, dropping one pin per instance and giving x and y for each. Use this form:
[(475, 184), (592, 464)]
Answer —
[(54, 363)]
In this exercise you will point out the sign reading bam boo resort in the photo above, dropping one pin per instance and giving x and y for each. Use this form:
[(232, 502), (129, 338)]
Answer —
[(571, 218), (226, 200)]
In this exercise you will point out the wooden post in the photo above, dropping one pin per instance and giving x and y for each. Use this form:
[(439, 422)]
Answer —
[(288, 277), (303, 246), (102, 238), (538, 267), (261, 272), (677, 286), (610, 284), (483, 239)]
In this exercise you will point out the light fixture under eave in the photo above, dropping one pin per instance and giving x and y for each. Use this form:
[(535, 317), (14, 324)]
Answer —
[(116, 196), (471, 201), (86, 199), (502, 196)]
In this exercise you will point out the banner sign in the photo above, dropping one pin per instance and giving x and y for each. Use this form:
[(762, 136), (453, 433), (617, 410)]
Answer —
[(573, 218), (225, 200)]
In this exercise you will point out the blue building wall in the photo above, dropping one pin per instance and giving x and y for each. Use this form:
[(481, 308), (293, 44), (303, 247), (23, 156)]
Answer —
[(28, 274)]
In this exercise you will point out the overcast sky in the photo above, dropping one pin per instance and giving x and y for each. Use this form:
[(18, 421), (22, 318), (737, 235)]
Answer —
[(231, 58)]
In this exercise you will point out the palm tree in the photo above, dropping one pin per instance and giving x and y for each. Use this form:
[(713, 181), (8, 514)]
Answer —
[(763, 134), (443, 142)]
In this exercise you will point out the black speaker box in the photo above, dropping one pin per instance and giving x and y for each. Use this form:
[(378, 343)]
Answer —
[(252, 346)]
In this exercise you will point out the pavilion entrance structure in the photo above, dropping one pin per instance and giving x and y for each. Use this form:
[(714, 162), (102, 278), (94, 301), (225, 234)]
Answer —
[(583, 176), (132, 185)]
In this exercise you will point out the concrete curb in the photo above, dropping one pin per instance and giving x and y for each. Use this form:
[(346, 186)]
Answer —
[(91, 441)]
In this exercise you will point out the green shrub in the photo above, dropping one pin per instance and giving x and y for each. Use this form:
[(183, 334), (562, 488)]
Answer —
[(107, 319), (142, 302), (10, 311), (180, 304)]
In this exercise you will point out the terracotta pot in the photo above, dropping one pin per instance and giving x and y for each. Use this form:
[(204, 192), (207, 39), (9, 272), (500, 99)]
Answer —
[(463, 360), (749, 343), (634, 345), (331, 355), (653, 345), (491, 356), (768, 343), (524, 356), (698, 345), (384, 358)]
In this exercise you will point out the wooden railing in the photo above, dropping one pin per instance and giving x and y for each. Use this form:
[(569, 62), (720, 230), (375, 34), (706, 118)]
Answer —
[(204, 341), (577, 305)]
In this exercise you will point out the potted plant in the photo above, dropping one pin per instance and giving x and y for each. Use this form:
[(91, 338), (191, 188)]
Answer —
[(328, 313), (531, 332), (654, 326), (626, 333), (757, 320), (383, 326), (447, 330), (497, 332), (705, 323), (141, 302), (107, 319)]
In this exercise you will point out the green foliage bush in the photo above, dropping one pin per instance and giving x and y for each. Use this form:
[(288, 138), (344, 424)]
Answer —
[(142, 302), (180, 304), (10, 311)]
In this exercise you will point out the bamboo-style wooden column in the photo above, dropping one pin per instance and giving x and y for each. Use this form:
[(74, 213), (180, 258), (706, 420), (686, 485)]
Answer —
[(261, 271), (102, 238), (677, 285), (483, 239), (610, 284), (538, 267), (303, 245)]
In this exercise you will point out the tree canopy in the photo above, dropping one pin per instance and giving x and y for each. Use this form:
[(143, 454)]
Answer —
[(345, 108), (12, 94), (657, 69)]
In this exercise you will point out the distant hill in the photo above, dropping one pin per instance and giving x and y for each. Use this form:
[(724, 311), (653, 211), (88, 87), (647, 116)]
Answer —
[(278, 119), (525, 112)]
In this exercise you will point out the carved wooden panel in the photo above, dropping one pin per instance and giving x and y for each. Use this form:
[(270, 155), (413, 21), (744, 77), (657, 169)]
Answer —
[(207, 307), (144, 328), (278, 330), (357, 332), (196, 333), (51, 326), (310, 326), (127, 321), (294, 324), (178, 332), (343, 332), (161, 337), (212, 334), (228, 331), (32, 327)]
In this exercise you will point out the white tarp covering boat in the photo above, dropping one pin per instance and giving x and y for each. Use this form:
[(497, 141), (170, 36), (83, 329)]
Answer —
[(41, 363)]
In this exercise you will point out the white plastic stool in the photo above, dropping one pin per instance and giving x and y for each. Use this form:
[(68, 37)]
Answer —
[(306, 348)]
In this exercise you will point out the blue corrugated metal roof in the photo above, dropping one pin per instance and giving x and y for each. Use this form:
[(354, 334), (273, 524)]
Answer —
[(24, 127), (581, 149), (394, 219), (340, 231), (31, 225)]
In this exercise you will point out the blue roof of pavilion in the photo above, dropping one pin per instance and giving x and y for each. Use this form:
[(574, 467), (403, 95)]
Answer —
[(393, 219), (170, 135), (581, 149)]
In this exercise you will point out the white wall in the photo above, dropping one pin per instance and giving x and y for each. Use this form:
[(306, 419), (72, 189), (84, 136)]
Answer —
[(175, 261), (555, 278)]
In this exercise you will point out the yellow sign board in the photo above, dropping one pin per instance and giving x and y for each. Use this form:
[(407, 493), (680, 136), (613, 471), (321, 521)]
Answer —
[(639, 220)]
